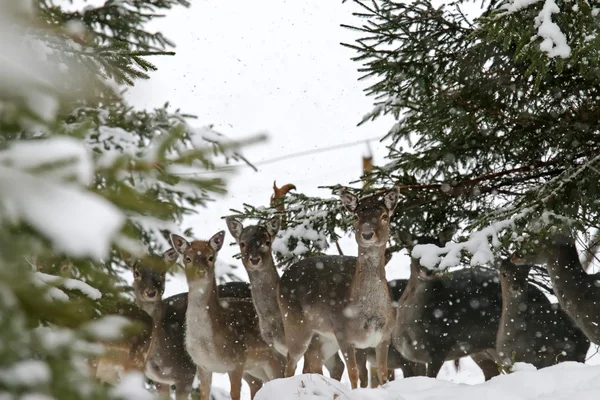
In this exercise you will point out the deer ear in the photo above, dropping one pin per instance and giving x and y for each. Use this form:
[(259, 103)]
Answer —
[(170, 256), (390, 198), (235, 227), (349, 200), (128, 259), (273, 225), (216, 242), (179, 243)]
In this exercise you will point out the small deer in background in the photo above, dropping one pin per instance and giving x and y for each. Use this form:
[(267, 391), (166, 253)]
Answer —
[(222, 335), (539, 334)]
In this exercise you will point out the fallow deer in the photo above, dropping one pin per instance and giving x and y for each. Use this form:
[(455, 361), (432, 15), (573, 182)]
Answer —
[(168, 362), (127, 353), (343, 299), (448, 316), (410, 368), (222, 335), (578, 293), (255, 242), (539, 334)]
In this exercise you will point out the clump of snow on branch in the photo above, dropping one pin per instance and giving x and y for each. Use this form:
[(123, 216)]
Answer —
[(478, 245), (70, 284), (554, 42), (51, 201), (294, 240), (109, 327), (26, 373)]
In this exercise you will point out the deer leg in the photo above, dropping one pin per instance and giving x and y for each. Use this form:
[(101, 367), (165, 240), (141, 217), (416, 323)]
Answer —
[(361, 363), (254, 383), (391, 375), (350, 357), (184, 388), (313, 359), (235, 378), (487, 363), (297, 347), (381, 351), (162, 388), (205, 382), (374, 378), (335, 366), (433, 367)]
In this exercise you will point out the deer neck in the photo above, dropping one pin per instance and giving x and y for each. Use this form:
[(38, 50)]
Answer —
[(147, 306), (203, 301), (370, 268), (565, 271), (513, 301), (264, 284)]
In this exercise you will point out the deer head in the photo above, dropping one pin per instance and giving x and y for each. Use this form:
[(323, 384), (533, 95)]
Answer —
[(513, 277), (540, 252), (372, 215), (199, 257), (149, 275), (255, 241)]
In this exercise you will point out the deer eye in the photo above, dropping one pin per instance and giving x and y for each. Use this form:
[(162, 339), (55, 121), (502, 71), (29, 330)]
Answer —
[(136, 274), (242, 245), (188, 260), (385, 217), (211, 258), (268, 243), (355, 217)]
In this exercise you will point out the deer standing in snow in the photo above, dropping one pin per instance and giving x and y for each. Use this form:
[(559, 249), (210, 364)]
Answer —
[(168, 362), (539, 334), (447, 316), (222, 335), (578, 293), (345, 300)]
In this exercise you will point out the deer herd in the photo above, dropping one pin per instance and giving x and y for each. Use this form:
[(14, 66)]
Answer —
[(259, 331)]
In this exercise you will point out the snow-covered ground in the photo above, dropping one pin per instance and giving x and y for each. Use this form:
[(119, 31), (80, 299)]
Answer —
[(558, 382), (564, 381)]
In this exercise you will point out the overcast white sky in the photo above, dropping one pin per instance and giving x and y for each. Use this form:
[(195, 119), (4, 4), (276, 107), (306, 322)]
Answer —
[(280, 68)]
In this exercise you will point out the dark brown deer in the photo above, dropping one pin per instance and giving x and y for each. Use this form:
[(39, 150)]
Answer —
[(578, 293), (255, 243), (222, 335), (539, 334), (448, 316), (168, 362), (343, 299)]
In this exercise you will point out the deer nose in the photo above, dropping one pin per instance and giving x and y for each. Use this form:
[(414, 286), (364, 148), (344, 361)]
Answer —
[(150, 293), (255, 260), (367, 235)]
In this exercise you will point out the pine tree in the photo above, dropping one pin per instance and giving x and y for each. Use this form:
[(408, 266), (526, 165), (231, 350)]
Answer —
[(498, 119), (84, 177)]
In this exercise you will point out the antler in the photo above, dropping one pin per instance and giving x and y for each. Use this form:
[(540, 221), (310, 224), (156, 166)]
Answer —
[(279, 194)]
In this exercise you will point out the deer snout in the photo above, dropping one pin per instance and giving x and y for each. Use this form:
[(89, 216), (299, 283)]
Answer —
[(255, 260), (368, 235), (151, 293)]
